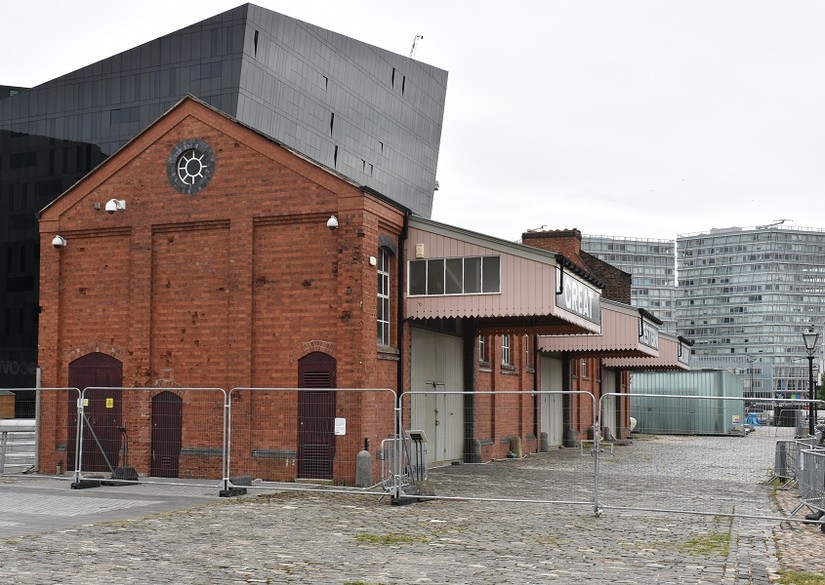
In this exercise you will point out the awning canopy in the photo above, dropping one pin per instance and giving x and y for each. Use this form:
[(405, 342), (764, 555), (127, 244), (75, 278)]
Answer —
[(500, 286), (674, 354), (626, 332)]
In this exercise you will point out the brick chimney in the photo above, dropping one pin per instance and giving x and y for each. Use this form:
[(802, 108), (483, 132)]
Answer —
[(568, 242)]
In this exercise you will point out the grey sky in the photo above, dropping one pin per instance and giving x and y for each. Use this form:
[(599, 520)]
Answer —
[(631, 118)]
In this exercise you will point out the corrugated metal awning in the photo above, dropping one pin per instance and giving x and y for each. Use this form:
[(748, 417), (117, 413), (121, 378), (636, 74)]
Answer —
[(674, 354), (535, 293), (626, 332)]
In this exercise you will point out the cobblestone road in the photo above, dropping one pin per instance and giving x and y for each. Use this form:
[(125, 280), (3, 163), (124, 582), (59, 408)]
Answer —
[(312, 537)]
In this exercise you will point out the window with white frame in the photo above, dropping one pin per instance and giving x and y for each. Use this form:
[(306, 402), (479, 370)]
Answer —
[(583, 368), (528, 351), (483, 351), (506, 356), (383, 312)]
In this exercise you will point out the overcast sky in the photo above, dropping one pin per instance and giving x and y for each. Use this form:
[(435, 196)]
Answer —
[(627, 118)]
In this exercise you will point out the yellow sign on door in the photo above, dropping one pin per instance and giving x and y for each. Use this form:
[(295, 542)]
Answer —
[(110, 403)]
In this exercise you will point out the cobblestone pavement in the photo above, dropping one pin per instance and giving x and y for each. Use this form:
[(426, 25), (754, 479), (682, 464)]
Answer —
[(721, 534)]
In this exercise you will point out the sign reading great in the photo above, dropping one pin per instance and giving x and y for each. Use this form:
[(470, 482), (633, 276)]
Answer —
[(578, 298)]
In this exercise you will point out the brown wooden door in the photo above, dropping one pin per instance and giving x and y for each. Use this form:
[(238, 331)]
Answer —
[(316, 416), (102, 432), (167, 432)]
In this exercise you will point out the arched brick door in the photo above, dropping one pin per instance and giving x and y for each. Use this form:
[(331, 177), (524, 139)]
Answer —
[(316, 416), (102, 434), (167, 434)]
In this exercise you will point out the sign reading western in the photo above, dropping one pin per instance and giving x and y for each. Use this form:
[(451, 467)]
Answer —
[(578, 298), (648, 334)]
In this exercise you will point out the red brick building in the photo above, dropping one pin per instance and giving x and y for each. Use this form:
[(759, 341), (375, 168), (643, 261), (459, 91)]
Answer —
[(203, 255), (231, 279)]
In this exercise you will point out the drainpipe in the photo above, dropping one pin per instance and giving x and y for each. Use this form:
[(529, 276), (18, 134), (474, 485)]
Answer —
[(402, 239), (536, 389)]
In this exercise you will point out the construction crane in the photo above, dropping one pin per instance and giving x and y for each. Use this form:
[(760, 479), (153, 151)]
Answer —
[(775, 223), (415, 45)]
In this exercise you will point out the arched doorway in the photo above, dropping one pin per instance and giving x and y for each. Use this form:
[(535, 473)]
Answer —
[(316, 416), (167, 433), (103, 428)]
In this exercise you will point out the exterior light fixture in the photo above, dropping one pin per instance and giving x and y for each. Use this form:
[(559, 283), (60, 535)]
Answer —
[(810, 338)]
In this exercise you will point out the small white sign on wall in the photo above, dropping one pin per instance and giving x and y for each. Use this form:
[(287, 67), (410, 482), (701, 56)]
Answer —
[(340, 426)]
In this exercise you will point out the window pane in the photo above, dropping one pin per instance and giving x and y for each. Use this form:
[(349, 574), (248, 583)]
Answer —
[(418, 277), (472, 275), (453, 284), (492, 274), (435, 277)]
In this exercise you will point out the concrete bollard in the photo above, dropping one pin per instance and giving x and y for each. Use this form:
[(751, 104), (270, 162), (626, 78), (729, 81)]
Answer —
[(515, 447), (363, 469), (544, 446)]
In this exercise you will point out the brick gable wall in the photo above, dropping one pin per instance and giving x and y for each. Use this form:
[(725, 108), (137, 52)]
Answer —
[(225, 288)]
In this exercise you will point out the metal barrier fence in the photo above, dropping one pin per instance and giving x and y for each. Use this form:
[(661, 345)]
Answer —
[(528, 445), (131, 434), (811, 478), (56, 418), (688, 454), (18, 436), (725, 463), (313, 439), (17, 444), (786, 460)]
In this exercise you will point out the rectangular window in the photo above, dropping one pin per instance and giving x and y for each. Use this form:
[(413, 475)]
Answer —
[(491, 274), (454, 283), (23, 160), (472, 275), (528, 351), (583, 368), (483, 355), (418, 278), (435, 277), (455, 276), (383, 320), (506, 357)]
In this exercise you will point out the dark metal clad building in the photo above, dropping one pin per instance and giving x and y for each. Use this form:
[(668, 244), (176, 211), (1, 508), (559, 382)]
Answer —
[(371, 115)]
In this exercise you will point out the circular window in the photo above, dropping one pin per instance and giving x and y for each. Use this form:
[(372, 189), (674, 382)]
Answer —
[(190, 166)]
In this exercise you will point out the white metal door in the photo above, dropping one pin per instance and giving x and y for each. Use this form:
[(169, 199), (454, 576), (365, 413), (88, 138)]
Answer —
[(609, 403), (552, 405), (437, 372)]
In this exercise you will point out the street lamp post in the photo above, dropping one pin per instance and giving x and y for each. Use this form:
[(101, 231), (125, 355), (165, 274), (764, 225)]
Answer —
[(810, 337)]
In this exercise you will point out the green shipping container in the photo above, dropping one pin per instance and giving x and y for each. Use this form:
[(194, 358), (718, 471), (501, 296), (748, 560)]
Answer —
[(701, 402)]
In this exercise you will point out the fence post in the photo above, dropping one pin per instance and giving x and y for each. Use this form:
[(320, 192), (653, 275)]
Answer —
[(597, 436), (227, 439), (78, 452), (398, 452)]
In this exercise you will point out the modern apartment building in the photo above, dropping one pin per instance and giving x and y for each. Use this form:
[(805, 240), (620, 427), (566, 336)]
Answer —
[(747, 294), (367, 114), (744, 295), (652, 264)]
